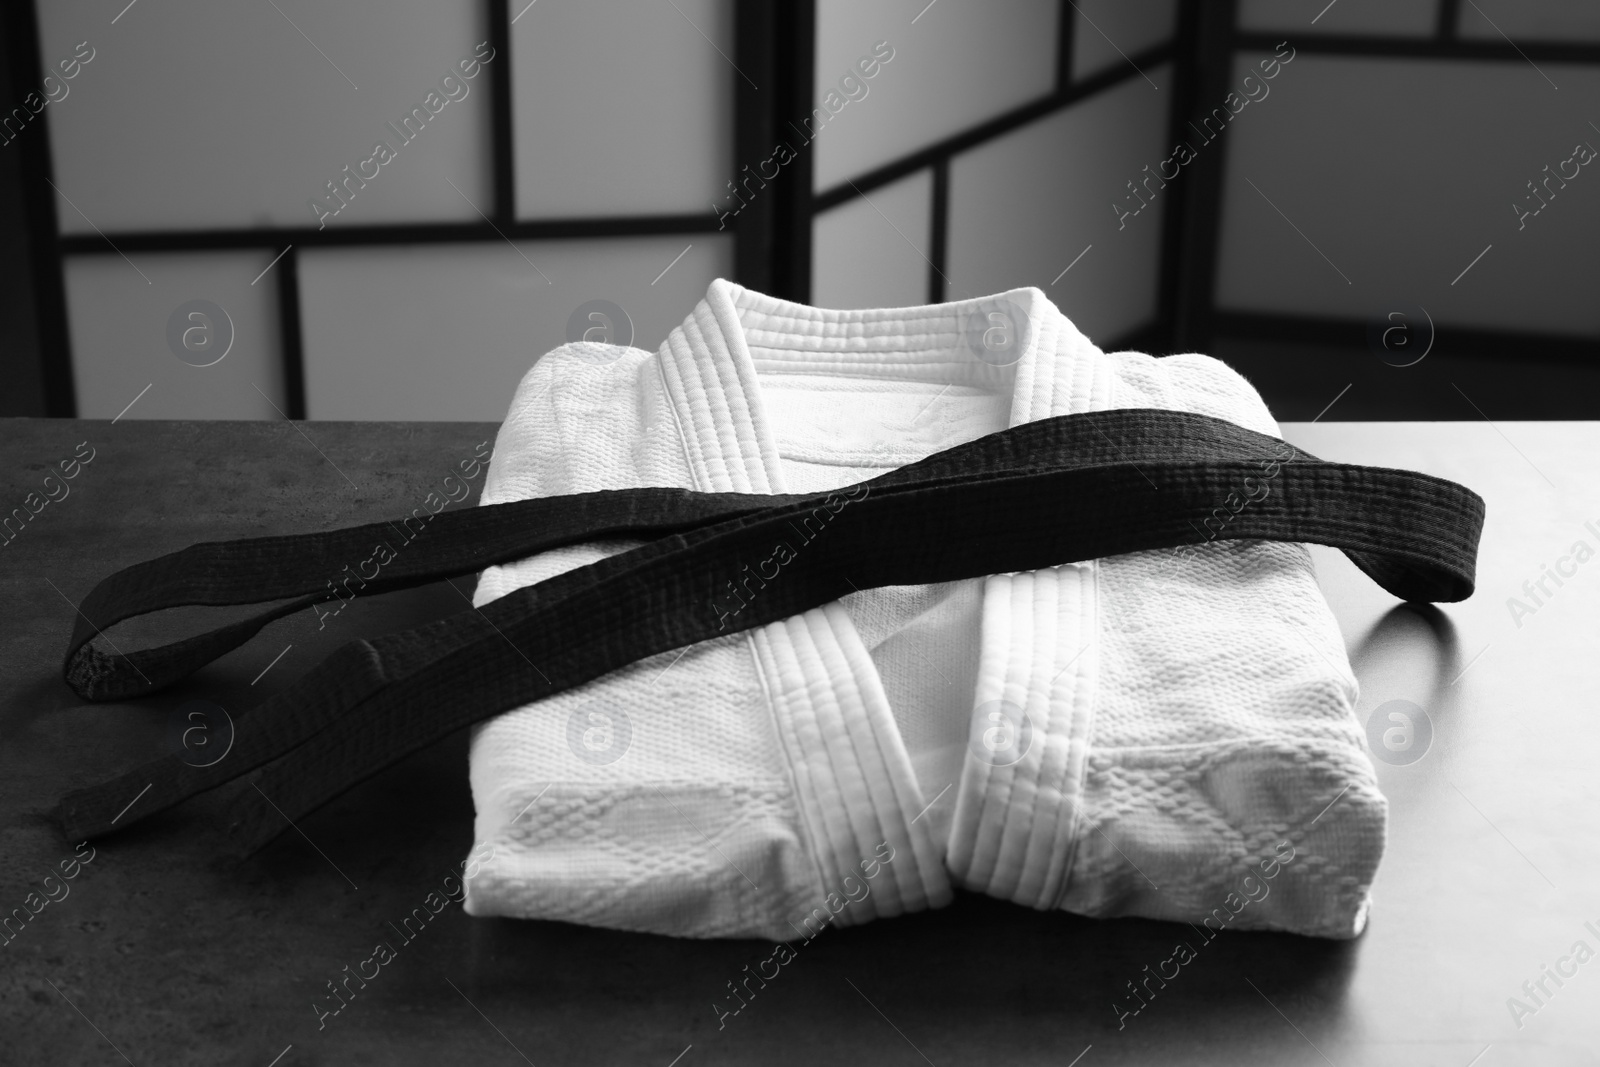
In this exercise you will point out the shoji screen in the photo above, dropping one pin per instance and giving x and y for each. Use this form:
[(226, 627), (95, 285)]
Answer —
[(987, 151), (1419, 165), (374, 210)]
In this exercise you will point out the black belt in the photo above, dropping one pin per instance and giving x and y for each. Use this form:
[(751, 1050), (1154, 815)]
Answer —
[(1055, 491)]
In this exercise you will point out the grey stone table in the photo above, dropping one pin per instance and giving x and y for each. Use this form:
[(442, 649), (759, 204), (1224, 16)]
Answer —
[(156, 952)]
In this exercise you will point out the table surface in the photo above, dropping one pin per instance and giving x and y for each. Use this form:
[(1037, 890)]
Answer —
[(164, 954)]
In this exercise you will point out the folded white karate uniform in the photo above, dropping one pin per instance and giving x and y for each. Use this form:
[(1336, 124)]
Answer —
[(1138, 735)]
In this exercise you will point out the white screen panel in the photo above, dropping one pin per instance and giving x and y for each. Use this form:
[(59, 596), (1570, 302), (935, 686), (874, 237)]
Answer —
[(953, 65), (1044, 199), (1107, 32), (440, 332), (1390, 18), (622, 108), (873, 252), (204, 114), (1531, 20), (129, 332), (1368, 159)]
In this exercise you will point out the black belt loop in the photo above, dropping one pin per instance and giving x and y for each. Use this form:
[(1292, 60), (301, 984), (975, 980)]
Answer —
[(1055, 491)]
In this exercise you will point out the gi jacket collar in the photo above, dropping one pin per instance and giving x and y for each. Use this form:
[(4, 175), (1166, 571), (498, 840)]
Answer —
[(1008, 828)]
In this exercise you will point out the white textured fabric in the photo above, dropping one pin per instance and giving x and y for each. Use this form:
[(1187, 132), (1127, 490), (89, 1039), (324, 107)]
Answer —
[(1187, 714)]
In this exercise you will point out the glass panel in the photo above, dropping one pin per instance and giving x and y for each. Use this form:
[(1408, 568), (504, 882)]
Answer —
[(189, 325), (935, 73), (1107, 32), (621, 108), (1531, 20), (872, 252), (1054, 205), (447, 331), (1396, 18), (1389, 178), (203, 114)]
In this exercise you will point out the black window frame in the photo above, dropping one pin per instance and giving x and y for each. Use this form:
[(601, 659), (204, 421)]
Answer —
[(775, 44)]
